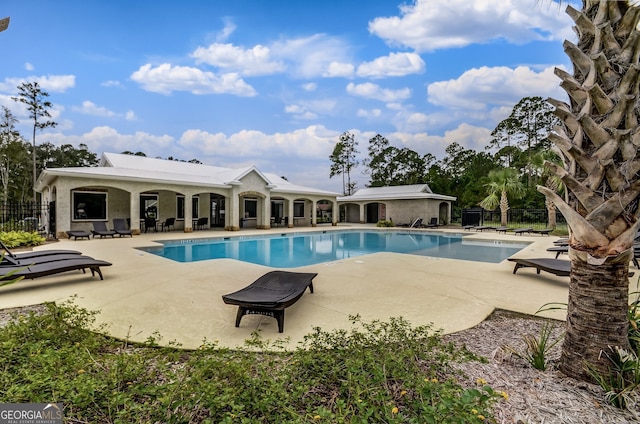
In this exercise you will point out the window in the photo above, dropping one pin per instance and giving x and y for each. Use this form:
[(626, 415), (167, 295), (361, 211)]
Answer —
[(298, 209), (250, 208), (180, 207), (89, 205), (148, 206)]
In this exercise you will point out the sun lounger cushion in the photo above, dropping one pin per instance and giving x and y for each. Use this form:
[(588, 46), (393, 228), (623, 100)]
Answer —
[(270, 295)]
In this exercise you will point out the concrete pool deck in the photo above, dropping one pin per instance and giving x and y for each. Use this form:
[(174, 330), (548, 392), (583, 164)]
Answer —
[(143, 294)]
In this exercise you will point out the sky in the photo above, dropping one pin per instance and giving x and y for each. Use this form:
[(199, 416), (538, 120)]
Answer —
[(273, 83)]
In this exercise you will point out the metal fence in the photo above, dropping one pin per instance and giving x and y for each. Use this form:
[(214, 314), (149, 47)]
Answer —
[(533, 218), (28, 216)]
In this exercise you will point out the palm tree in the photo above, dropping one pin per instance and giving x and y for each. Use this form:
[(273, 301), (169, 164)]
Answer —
[(503, 183), (599, 142)]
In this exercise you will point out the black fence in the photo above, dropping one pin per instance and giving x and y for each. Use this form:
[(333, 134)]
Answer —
[(534, 218), (28, 216)]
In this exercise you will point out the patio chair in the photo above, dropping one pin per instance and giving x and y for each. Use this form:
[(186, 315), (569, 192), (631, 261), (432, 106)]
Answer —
[(168, 224), (554, 266), (150, 224), (9, 255), (120, 227), (37, 270), (270, 295), (520, 231), (277, 222), (76, 234), (433, 223), (543, 232), (100, 229), (202, 223)]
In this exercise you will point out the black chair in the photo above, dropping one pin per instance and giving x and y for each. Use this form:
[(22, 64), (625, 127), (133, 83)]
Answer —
[(168, 224), (150, 224), (277, 222), (100, 229), (203, 223), (120, 227)]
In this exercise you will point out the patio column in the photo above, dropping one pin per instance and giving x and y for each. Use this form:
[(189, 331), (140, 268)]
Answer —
[(232, 217), (335, 213), (265, 219), (290, 213), (188, 213), (314, 213), (361, 213), (134, 212)]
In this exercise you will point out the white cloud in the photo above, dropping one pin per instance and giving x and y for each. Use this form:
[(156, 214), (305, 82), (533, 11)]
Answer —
[(374, 91), (310, 86), (166, 78), (480, 88), (300, 112), (54, 83), (28, 66), (313, 56), (90, 108), (253, 61), (311, 109), (393, 65), (427, 25), (373, 113), (111, 83), (335, 69), (229, 28), (106, 139)]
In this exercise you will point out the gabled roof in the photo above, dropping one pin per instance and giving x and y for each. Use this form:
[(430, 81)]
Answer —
[(401, 192), (140, 168)]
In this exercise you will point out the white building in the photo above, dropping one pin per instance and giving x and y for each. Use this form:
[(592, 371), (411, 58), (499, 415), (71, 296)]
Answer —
[(197, 196)]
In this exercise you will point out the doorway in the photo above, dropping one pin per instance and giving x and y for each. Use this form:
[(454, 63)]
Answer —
[(217, 210)]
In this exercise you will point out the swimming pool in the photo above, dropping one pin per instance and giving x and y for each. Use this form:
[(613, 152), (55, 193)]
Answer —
[(291, 250)]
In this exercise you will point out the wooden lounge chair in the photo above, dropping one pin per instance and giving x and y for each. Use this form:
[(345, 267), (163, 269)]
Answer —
[(55, 267), (553, 266), (120, 227), (270, 295), (100, 229)]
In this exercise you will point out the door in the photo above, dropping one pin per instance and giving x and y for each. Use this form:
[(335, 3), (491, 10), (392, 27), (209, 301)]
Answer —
[(217, 211)]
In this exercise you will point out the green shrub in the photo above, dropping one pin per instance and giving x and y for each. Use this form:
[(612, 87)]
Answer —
[(376, 372), (21, 238), (385, 223)]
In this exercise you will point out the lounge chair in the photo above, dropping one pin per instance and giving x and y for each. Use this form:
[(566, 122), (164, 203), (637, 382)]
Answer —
[(543, 232), (433, 223), (270, 295), (100, 229), (484, 227), (559, 250), (55, 267), (553, 266), (29, 255), (502, 230), (520, 231), (416, 224), (168, 224), (76, 234), (120, 227)]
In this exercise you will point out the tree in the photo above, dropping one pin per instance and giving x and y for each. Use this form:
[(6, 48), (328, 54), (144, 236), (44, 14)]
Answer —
[(10, 143), (599, 143), (503, 141), (502, 184), (343, 160), (388, 165), (34, 98)]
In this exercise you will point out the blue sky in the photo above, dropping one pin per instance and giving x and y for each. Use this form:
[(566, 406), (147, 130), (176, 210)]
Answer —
[(274, 83)]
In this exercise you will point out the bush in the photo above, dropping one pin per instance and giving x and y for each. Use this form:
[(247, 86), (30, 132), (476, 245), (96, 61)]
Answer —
[(376, 372), (21, 238), (385, 223)]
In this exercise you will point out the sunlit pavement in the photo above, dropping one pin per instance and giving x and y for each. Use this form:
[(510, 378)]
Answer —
[(143, 294)]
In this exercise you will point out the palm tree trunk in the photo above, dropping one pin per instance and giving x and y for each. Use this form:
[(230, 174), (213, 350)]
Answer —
[(596, 315), (504, 208)]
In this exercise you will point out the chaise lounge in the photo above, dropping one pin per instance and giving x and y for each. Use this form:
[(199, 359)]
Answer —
[(554, 266), (8, 254), (100, 229), (270, 295), (43, 269), (120, 227)]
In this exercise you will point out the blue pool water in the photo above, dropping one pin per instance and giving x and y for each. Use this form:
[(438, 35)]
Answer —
[(299, 249)]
